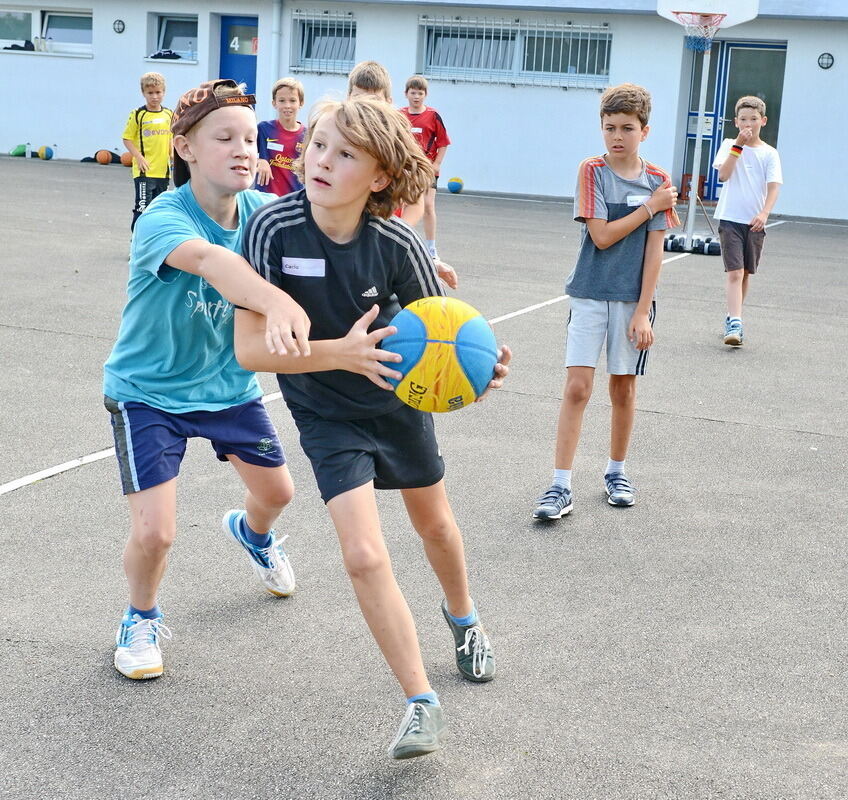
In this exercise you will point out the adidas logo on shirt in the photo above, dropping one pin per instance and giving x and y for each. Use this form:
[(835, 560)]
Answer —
[(372, 292)]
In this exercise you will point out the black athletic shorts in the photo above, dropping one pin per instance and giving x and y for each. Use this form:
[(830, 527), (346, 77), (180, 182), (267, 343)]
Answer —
[(397, 450), (145, 190)]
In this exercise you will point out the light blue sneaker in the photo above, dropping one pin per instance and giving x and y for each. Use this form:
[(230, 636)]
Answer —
[(270, 564), (733, 332), (620, 492), (137, 652)]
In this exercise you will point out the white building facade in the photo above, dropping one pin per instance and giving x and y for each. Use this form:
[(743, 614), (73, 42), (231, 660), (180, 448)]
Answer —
[(517, 83)]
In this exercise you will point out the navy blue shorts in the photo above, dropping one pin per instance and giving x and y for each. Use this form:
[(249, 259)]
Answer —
[(150, 443), (397, 450)]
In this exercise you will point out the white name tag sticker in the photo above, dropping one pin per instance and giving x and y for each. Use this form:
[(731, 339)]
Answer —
[(305, 267), (276, 146), (416, 130), (637, 199)]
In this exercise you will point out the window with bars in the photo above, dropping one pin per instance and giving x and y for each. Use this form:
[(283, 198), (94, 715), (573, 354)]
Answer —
[(323, 41), (544, 53)]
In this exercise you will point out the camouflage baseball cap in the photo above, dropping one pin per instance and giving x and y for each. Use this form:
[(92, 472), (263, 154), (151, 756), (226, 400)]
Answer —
[(193, 106)]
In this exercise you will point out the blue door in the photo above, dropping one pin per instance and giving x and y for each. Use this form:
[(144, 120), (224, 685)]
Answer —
[(239, 45)]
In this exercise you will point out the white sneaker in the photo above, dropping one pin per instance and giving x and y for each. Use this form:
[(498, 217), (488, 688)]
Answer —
[(270, 564), (138, 655)]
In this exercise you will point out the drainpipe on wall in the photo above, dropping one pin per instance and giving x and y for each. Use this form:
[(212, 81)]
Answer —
[(276, 36)]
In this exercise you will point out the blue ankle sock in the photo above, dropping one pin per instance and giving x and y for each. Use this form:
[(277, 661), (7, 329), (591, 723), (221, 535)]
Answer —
[(254, 538), (470, 619), (152, 613), (425, 697), (614, 466)]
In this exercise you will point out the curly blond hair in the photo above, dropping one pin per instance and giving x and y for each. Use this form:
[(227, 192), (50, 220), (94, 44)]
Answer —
[(627, 98), (373, 126)]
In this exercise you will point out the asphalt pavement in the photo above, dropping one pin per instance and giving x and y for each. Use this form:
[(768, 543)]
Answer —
[(692, 646)]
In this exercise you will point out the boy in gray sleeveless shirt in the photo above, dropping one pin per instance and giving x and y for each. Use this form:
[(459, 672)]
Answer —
[(625, 204)]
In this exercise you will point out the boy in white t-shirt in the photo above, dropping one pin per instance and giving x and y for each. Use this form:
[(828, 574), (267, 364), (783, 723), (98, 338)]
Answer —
[(750, 171)]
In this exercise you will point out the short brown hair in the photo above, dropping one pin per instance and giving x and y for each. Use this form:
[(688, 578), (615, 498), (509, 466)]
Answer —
[(749, 101), (288, 83), (416, 82), (152, 79), (370, 76), (379, 129), (627, 98)]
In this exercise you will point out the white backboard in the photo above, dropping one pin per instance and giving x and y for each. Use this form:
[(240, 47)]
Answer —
[(737, 11)]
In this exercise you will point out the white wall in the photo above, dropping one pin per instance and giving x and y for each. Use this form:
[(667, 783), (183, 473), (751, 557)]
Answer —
[(813, 116), (82, 104), (525, 140)]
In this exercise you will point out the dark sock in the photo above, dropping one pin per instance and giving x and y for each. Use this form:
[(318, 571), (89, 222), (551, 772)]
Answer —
[(254, 538), (151, 613)]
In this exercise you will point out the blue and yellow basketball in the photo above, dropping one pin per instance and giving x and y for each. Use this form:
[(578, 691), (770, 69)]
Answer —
[(449, 354), (455, 185), (45, 153)]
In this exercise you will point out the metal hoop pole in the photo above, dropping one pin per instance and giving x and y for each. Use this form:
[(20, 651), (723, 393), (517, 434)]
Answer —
[(696, 159)]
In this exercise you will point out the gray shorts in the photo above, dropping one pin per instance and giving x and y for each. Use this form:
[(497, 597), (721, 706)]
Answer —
[(590, 322), (741, 247)]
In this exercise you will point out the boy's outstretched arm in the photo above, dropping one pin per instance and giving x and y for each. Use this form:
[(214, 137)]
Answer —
[(286, 323), (605, 234), (357, 352), (640, 331)]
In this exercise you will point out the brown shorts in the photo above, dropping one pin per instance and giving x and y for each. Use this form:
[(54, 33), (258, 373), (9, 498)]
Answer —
[(741, 247)]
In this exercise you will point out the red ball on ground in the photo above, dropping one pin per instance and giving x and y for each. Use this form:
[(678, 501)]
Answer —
[(103, 157), (126, 158)]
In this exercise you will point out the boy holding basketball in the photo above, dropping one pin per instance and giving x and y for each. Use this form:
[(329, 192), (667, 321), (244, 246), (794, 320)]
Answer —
[(173, 375), (280, 140), (337, 249), (147, 136), (625, 204), (750, 171)]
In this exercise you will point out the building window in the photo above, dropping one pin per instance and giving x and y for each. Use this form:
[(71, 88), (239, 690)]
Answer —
[(535, 52), (66, 33), (46, 31), (177, 34), (15, 27), (323, 41)]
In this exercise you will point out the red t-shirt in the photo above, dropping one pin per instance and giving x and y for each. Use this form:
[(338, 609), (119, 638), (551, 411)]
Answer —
[(428, 129)]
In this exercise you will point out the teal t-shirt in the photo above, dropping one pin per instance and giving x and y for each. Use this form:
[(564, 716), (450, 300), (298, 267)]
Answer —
[(175, 344)]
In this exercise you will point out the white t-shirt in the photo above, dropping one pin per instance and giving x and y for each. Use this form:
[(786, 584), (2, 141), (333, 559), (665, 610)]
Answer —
[(743, 195)]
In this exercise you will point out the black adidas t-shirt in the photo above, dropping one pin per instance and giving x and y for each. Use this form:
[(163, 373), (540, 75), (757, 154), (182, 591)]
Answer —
[(385, 263)]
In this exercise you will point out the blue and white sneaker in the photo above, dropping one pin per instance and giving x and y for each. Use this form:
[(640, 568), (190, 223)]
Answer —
[(270, 564), (733, 333), (620, 492), (556, 502), (138, 655)]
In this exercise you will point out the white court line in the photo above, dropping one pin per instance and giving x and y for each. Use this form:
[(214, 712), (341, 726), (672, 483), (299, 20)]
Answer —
[(779, 222), (27, 480), (79, 462)]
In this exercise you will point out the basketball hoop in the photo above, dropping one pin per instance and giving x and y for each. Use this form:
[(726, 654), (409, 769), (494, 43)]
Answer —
[(700, 28)]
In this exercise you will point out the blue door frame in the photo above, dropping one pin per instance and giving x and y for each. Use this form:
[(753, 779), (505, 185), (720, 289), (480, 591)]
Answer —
[(238, 50), (715, 122)]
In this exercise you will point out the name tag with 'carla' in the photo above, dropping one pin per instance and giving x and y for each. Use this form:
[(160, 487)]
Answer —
[(304, 267)]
